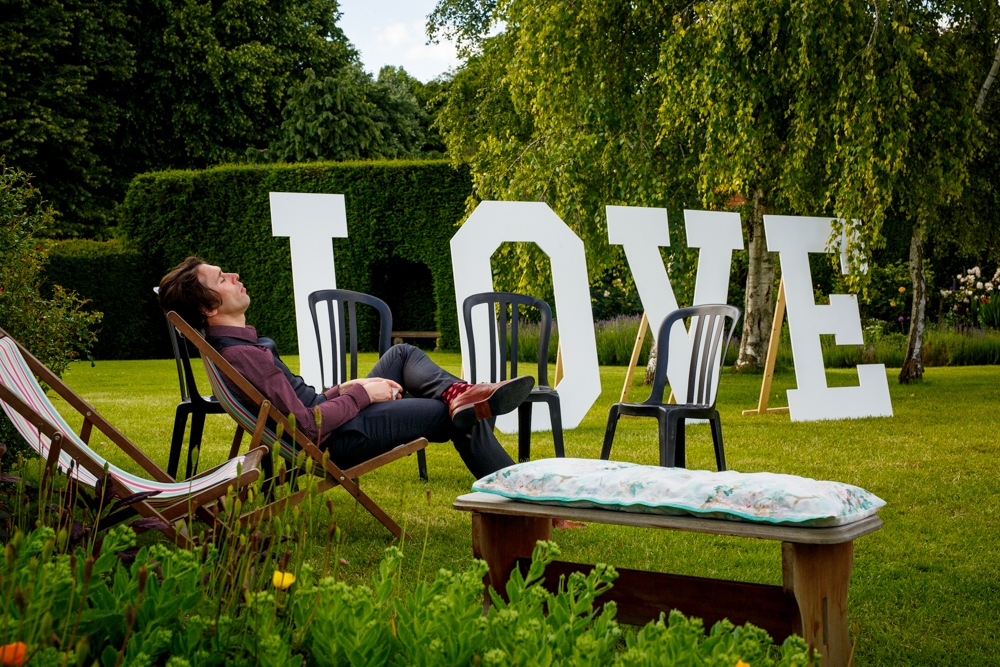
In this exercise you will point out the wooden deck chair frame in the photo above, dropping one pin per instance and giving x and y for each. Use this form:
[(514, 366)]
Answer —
[(170, 513), (333, 475)]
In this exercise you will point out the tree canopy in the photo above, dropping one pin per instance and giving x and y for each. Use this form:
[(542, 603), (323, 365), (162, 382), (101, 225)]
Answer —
[(92, 93), (810, 108)]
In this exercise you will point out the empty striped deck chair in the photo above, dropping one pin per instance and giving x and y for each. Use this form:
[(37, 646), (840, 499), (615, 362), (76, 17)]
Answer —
[(218, 368), (45, 429)]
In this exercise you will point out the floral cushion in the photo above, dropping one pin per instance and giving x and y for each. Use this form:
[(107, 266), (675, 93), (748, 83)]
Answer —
[(761, 497)]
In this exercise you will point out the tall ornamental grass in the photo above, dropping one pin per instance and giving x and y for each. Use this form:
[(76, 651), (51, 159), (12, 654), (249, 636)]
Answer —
[(615, 339), (943, 345)]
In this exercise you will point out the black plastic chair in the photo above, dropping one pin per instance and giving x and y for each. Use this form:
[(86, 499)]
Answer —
[(708, 328), (192, 404), (497, 303), (337, 341)]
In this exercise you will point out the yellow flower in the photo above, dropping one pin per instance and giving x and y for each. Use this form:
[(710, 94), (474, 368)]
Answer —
[(902, 290), (13, 654), (892, 303), (740, 663), (282, 580)]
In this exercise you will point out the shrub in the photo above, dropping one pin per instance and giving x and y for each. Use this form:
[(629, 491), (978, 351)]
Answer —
[(972, 298), (55, 329), (118, 279), (175, 606), (400, 217)]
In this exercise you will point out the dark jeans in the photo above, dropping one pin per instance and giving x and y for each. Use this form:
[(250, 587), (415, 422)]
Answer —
[(382, 426)]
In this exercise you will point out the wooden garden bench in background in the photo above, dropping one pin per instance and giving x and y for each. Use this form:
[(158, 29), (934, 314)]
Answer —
[(811, 602), (399, 336)]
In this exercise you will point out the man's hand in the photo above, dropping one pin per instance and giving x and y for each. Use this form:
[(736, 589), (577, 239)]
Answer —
[(380, 391), (364, 382)]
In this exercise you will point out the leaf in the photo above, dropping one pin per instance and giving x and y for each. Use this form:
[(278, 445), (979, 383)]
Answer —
[(77, 530), (104, 488), (132, 499), (127, 556), (148, 523)]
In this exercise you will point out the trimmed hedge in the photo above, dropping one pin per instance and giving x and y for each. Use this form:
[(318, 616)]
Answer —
[(401, 216), (118, 279)]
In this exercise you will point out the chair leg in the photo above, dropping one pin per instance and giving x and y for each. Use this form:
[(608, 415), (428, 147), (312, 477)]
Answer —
[(720, 455), (524, 432), (177, 439), (680, 454), (197, 428), (422, 464), (609, 433), (666, 427), (555, 418)]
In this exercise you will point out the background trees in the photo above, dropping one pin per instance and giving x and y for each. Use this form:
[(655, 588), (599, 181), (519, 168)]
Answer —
[(350, 116), (659, 104), (63, 71), (92, 93), (947, 139)]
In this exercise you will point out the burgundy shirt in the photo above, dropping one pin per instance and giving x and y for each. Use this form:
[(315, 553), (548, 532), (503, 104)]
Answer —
[(256, 364)]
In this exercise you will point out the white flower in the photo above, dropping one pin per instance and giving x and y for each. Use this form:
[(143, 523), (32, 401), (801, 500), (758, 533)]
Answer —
[(965, 301), (976, 269), (945, 293), (969, 292), (959, 276), (989, 287), (971, 271), (607, 293), (979, 285)]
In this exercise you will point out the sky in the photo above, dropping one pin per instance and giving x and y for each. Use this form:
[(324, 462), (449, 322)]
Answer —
[(392, 32)]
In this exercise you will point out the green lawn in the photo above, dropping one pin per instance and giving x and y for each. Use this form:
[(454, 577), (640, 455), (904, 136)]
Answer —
[(924, 591)]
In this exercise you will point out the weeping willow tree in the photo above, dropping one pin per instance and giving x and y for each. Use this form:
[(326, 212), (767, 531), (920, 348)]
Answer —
[(561, 107), (947, 141), (806, 108)]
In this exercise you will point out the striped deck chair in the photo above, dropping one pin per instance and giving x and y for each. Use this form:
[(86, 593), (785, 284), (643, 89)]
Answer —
[(44, 428), (218, 368)]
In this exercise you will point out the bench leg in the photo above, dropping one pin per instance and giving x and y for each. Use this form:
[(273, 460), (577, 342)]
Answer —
[(819, 575), (500, 540)]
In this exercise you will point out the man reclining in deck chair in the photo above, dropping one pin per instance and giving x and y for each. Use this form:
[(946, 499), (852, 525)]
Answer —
[(360, 418)]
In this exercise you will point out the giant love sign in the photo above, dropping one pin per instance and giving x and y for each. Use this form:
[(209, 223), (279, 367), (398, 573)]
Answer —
[(312, 220)]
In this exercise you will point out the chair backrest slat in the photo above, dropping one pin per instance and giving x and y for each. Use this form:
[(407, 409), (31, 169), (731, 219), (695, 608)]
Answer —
[(708, 324), (497, 303), (339, 340), (513, 339)]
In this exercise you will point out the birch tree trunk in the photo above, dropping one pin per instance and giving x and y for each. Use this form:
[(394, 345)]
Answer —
[(759, 311), (651, 365), (913, 365)]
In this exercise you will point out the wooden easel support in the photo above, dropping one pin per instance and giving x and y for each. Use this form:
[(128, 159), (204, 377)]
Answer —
[(634, 361), (559, 365), (772, 354)]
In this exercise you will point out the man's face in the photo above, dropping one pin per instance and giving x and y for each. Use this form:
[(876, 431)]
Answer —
[(227, 287)]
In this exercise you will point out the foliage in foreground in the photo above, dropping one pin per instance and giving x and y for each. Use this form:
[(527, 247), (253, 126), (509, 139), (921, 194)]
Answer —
[(73, 594), (55, 329), (61, 608)]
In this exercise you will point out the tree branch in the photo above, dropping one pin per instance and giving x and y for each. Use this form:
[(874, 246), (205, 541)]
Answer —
[(989, 81)]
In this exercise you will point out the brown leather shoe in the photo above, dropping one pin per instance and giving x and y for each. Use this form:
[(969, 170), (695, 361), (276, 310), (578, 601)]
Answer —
[(489, 399)]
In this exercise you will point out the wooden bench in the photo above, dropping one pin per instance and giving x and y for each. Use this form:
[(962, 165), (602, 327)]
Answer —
[(399, 336), (811, 602)]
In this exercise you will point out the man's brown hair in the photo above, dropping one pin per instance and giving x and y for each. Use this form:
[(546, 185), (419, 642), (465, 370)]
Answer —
[(181, 291)]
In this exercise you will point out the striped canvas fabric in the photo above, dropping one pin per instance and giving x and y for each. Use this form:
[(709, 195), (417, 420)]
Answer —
[(244, 417), (17, 376)]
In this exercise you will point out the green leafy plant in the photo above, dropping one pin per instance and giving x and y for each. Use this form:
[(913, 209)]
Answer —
[(57, 329), (171, 605)]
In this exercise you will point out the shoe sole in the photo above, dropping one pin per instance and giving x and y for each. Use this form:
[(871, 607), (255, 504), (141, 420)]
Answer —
[(505, 399)]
